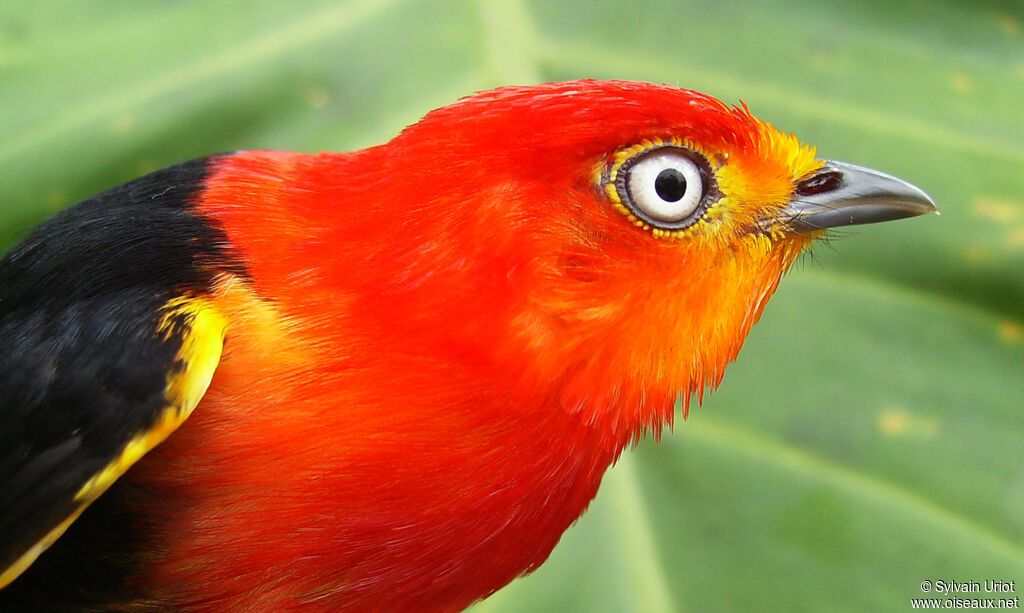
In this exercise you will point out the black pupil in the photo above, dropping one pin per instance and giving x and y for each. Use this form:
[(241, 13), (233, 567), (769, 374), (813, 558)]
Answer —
[(670, 185)]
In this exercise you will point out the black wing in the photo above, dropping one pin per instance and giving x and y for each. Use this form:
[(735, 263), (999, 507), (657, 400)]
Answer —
[(108, 343)]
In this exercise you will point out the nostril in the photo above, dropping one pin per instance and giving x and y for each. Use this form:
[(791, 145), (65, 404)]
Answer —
[(824, 181)]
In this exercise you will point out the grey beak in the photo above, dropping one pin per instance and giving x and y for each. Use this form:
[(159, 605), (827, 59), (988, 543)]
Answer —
[(841, 194)]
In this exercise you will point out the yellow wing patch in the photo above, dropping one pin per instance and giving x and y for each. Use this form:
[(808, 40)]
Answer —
[(198, 357)]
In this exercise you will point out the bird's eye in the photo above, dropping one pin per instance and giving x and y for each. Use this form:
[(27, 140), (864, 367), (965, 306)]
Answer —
[(665, 187)]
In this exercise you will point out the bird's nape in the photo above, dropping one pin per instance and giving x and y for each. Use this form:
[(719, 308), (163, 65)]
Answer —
[(432, 349)]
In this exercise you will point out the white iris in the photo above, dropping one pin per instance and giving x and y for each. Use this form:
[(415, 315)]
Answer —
[(666, 186)]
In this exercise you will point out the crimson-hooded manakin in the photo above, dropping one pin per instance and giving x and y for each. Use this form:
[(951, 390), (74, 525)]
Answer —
[(385, 380)]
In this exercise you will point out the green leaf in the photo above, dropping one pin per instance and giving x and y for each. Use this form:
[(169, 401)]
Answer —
[(871, 434)]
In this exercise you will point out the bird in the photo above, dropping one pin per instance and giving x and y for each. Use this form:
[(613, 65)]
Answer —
[(388, 379)]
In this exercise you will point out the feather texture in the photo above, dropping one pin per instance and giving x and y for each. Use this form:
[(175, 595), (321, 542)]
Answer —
[(439, 345)]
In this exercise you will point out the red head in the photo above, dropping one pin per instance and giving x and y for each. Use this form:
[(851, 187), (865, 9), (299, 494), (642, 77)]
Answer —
[(501, 228), (449, 337)]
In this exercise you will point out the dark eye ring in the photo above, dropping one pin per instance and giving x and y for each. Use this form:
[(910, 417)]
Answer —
[(666, 187)]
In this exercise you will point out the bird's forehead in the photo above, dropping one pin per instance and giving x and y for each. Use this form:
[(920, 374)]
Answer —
[(614, 115), (551, 130), (593, 112)]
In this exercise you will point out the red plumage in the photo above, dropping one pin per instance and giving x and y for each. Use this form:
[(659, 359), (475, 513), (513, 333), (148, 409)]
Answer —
[(444, 341), (427, 408)]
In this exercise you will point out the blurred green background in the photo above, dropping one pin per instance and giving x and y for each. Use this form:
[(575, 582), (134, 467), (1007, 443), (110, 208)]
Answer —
[(871, 434)]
